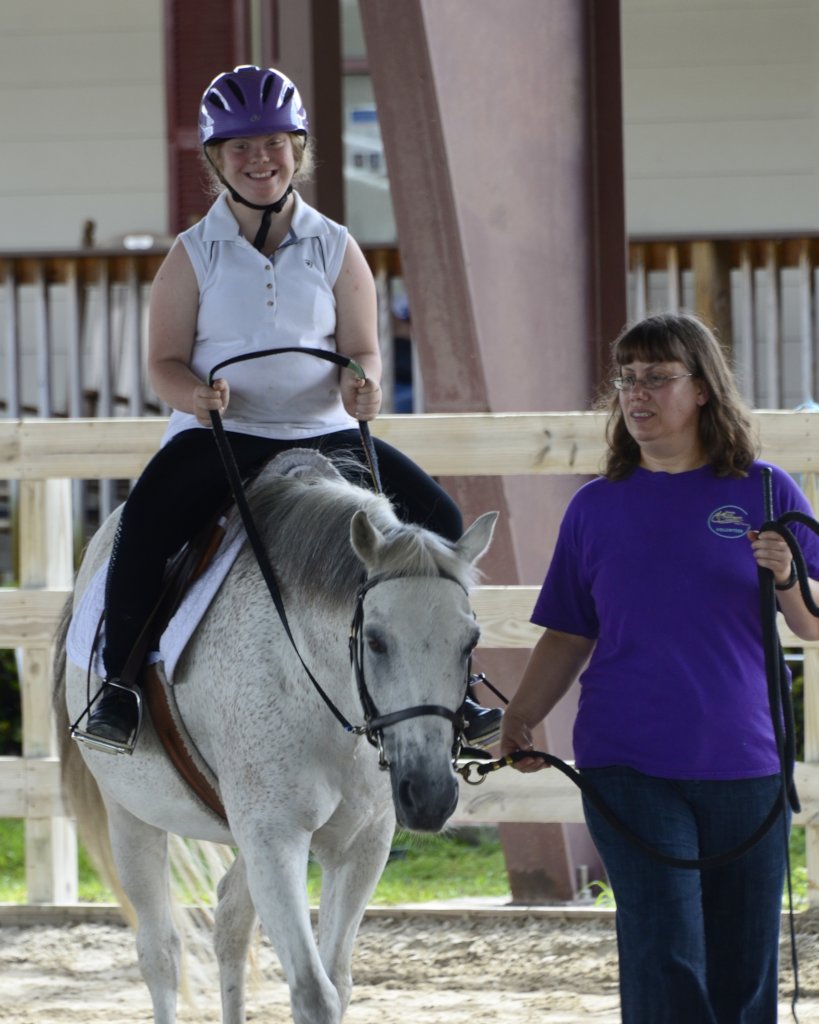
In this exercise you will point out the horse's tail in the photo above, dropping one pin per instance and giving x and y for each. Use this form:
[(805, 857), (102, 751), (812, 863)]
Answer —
[(81, 792)]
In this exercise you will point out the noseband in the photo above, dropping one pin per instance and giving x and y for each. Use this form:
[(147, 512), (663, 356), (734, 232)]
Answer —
[(374, 722)]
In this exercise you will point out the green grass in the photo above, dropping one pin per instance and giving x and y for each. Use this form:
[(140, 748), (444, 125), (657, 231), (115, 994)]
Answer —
[(12, 869), (466, 863), (422, 869)]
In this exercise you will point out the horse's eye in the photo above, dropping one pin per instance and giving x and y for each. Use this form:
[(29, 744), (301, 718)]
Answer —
[(375, 645), (471, 645)]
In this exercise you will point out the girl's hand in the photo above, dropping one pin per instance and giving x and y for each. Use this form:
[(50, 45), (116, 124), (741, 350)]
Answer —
[(771, 552), (206, 400), (361, 398)]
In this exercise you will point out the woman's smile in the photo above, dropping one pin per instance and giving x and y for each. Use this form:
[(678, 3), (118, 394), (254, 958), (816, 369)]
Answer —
[(262, 165)]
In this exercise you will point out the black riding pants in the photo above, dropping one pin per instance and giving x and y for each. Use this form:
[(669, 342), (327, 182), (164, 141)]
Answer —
[(183, 487)]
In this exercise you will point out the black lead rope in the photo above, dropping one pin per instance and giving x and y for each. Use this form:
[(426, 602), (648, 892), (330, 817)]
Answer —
[(779, 694), (599, 804)]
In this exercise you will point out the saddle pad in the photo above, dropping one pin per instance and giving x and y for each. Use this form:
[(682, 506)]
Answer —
[(86, 617), (294, 462)]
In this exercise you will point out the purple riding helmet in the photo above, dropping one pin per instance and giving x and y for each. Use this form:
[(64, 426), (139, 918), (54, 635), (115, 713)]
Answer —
[(250, 101)]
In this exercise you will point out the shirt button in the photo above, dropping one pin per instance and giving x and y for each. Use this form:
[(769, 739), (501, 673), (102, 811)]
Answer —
[(269, 285), (268, 267), (270, 302)]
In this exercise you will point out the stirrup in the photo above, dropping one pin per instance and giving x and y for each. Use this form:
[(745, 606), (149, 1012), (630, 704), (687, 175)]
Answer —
[(108, 746), (466, 754)]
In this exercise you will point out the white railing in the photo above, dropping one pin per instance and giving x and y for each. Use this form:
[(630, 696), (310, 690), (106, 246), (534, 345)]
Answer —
[(45, 455), (75, 322), (760, 292)]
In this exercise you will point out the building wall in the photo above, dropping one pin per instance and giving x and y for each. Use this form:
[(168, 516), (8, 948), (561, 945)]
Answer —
[(721, 115), (721, 102), (82, 121)]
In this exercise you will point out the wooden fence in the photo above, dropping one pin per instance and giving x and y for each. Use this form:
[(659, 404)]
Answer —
[(45, 455)]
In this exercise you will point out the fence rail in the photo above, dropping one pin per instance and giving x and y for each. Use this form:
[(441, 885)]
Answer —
[(75, 321), (46, 455)]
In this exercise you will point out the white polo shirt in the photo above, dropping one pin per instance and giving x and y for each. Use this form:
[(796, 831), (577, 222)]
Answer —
[(249, 302)]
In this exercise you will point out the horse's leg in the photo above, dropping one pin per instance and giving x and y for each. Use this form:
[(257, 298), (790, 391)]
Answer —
[(276, 866), (141, 855), (347, 882), (235, 918)]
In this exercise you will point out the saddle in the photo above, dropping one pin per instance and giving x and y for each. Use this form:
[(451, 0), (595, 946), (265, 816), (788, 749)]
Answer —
[(184, 569), (188, 565)]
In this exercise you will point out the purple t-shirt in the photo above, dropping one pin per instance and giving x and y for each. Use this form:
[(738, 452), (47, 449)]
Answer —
[(658, 571)]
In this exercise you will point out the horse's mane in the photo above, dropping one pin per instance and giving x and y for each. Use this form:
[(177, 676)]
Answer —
[(305, 521)]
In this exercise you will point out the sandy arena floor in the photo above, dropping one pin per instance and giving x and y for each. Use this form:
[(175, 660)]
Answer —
[(457, 968)]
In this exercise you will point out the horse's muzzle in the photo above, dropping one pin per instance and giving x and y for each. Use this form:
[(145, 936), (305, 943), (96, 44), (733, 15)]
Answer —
[(423, 801)]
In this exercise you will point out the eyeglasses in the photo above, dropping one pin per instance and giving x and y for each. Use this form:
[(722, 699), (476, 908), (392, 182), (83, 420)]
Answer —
[(651, 382)]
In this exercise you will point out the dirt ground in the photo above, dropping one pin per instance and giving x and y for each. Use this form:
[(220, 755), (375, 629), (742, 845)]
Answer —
[(428, 968)]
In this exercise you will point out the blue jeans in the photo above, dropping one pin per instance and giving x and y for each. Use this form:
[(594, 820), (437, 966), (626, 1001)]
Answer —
[(695, 947)]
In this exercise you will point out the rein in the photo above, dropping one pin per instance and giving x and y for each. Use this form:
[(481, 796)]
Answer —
[(374, 723), (330, 357)]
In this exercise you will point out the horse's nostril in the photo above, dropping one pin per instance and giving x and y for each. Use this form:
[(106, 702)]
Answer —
[(405, 793)]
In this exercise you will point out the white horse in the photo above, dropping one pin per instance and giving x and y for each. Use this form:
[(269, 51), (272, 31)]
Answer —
[(290, 777)]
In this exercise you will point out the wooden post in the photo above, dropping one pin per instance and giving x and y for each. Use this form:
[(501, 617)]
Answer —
[(810, 697), (712, 288), (385, 334), (45, 561), (672, 262), (744, 355), (806, 325), (811, 723), (773, 328), (640, 272)]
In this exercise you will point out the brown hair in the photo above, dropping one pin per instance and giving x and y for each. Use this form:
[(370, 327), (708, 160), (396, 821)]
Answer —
[(725, 431)]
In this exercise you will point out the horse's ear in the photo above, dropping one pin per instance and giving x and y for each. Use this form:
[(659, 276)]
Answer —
[(364, 537), (478, 537)]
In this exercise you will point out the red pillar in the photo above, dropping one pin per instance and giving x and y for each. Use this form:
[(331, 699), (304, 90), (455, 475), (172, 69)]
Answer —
[(502, 132)]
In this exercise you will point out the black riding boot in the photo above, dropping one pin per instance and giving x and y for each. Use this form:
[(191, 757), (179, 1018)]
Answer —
[(481, 725), (115, 714)]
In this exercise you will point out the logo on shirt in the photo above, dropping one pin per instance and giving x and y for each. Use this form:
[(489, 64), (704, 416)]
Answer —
[(729, 521)]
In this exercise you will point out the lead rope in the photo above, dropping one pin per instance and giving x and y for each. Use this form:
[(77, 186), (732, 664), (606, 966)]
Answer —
[(781, 705), (779, 693)]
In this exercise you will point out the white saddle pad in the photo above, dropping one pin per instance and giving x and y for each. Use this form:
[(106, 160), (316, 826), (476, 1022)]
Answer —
[(195, 603), (294, 462)]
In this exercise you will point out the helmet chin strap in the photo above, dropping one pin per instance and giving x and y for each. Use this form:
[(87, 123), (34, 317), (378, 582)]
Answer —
[(267, 213)]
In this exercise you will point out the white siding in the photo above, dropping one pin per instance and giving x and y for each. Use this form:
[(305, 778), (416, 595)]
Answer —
[(721, 112), (721, 103), (82, 121)]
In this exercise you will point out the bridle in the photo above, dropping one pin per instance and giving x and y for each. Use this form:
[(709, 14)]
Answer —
[(374, 721)]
